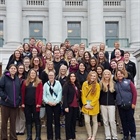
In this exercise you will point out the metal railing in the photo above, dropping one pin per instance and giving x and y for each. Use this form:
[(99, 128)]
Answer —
[(112, 2), (2, 2), (124, 42), (1, 42), (78, 41), (27, 40)]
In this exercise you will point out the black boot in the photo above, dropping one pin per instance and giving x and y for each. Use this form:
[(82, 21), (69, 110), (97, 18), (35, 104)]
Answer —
[(38, 132), (125, 138), (29, 132)]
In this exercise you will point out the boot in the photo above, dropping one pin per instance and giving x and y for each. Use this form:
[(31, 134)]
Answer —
[(125, 138), (29, 132), (38, 132)]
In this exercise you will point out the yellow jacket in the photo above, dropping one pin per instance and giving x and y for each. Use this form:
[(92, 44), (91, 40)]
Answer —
[(93, 98)]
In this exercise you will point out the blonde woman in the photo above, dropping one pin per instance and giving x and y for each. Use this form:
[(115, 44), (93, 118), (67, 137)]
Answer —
[(44, 75), (63, 73), (90, 100), (107, 104)]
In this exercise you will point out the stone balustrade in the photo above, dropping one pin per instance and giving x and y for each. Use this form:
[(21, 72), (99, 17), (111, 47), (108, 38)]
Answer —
[(2, 2), (35, 2), (112, 2)]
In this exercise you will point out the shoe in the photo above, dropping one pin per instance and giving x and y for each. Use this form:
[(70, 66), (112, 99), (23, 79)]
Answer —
[(89, 138), (22, 133), (107, 139), (93, 138), (133, 138), (125, 138)]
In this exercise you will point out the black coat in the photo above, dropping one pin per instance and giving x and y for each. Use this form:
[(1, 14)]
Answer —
[(131, 68), (68, 94), (107, 98), (10, 90)]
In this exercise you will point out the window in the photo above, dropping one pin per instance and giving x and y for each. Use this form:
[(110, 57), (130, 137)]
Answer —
[(36, 29), (74, 32), (1, 34), (111, 30)]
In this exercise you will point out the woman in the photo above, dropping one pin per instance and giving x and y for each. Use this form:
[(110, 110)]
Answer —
[(113, 66), (62, 76), (73, 67), (52, 95), (81, 77), (121, 66), (90, 100), (93, 64), (118, 56), (86, 60), (49, 46), (10, 100), (44, 75), (37, 65), (20, 119), (71, 96), (32, 91), (99, 71), (26, 52), (95, 52), (107, 105), (26, 62), (102, 49), (16, 59), (126, 94), (103, 61)]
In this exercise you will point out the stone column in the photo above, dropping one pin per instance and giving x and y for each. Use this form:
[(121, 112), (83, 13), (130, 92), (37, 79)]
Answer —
[(13, 23), (55, 21), (135, 23), (95, 21)]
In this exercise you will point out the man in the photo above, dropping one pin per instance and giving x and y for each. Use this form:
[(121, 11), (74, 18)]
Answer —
[(116, 46), (32, 43), (129, 65), (58, 61)]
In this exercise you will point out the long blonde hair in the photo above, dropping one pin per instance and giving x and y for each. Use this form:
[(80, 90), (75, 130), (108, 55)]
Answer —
[(104, 85), (47, 67), (93, 90), (124, 69), (36, 80)]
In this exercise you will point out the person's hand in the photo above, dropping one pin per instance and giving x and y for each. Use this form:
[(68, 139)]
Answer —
[(133, 106), (23, 106), (49, 103), (54, 104), (66, 109), (37, 106), (88, 107)]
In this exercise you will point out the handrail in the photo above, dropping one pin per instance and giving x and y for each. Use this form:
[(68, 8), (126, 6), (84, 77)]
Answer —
[(124, 42)]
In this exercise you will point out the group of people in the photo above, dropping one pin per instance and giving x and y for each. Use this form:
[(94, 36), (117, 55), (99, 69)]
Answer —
[(68, 78)]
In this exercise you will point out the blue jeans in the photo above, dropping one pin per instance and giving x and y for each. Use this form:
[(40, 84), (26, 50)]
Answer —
[(128, 121)]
